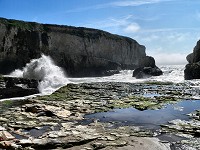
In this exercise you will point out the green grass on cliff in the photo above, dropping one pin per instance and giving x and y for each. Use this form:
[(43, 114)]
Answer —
[(89, 33), (20, 24)]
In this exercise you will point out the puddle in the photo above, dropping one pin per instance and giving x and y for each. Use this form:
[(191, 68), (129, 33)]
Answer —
[(151, 95), (148, 119), (38, 132), (170, 137)]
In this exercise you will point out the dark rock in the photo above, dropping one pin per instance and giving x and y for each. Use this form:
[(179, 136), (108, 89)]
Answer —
[(145, 72), (80, 51), (17, 87), (33, 109), (192, 70), (148, 61), (46, 113)]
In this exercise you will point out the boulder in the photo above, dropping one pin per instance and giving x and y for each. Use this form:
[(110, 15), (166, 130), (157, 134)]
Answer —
[(17, 87), (145, 72), (192, 69), (148, 61), (79, 51)]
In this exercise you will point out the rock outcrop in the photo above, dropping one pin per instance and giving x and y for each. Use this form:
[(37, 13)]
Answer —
[(80, 51), (148, 69), (146, 72), (17, 87), (192, 69)]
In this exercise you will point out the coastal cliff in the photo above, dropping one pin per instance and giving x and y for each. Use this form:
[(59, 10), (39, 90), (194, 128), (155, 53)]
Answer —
[(192, 69), (79, 51)]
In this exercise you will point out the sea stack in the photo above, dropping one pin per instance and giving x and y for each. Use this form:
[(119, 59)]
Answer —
[(79, 51), (147, 69), (192, 69)]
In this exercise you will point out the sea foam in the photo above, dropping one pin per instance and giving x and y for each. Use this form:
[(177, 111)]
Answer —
[(50, 76)]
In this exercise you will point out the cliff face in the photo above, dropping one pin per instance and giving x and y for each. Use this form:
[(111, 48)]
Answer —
[(192, 69), (80, 51)]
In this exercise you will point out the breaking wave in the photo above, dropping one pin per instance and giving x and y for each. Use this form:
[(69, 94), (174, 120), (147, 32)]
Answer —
[(51, 77)]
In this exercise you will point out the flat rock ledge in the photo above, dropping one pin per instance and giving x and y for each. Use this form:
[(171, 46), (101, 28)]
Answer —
[(57, 121)]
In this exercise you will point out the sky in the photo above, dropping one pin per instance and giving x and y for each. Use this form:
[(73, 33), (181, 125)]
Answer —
[(169, 29)]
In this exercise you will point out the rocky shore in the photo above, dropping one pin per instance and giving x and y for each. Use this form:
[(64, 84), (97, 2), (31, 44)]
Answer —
[(58, 121)]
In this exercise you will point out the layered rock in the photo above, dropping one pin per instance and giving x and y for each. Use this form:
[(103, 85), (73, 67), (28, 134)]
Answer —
[(80, 51), (17, 87), (192, 69), (61, 120)]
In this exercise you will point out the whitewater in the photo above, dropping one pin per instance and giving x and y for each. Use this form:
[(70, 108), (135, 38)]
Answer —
[(52, 77)]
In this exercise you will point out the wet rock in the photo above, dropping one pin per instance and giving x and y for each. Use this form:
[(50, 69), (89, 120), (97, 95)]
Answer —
[(6, 145), (98, 145), (6, 136), (17, 87), (192, 69), (191, 127), (32, 108), (46, 110), (56, 121), (2, 128), (146, 72)]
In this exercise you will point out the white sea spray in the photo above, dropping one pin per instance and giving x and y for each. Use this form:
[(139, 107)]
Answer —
[(50, 76)]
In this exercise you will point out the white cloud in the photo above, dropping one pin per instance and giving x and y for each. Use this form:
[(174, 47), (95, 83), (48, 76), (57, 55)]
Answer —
[(177, 37), (122, 3), (114, 25), (132, 28), (169, 47), (164, 58), (150, 38), (168, 30), (137, 2)]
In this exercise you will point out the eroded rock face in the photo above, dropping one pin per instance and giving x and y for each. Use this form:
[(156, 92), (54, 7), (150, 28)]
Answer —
[(80, 51), (192, 70)]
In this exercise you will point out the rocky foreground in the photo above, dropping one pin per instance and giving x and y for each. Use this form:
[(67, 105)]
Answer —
[(57, 121)]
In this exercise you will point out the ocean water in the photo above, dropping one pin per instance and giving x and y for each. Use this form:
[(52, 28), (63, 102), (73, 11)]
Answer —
[(53, 77), (173, 73)]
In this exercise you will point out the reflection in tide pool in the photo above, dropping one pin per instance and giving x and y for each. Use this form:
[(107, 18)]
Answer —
[(150, 119)]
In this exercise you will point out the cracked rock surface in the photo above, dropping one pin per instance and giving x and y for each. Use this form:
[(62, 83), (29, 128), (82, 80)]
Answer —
[(57, 121)]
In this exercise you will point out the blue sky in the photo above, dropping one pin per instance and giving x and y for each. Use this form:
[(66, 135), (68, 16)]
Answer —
[(168, 28)]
